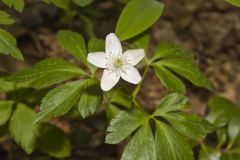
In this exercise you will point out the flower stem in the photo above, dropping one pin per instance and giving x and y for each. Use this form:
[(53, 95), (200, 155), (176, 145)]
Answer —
[(136, 90)]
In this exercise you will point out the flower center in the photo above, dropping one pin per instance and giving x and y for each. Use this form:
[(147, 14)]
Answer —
[(118, 63)]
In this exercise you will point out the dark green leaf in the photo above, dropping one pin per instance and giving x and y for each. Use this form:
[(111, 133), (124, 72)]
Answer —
[(22, 128), (82, 3), (172, 102), (120, 97), (73, 42), (141, 41), (96, 45), (54, 142), (8, 45), (5, 18), (187, 69), (123, 125), (222, 111), (47, 72), (170, 144), (64, 4), (169, 80), (234, 129), (138, 16), (16, 4), (141, 146), (91, 98), (5, 111), (190, 125), (171, 50), (112, 111), (60, 100)]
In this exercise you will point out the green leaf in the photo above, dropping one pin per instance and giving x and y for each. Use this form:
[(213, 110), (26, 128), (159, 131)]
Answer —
[(141, 146), (141, 41), (22, 128), (169, 80), (8, 45), (234, 2), (47, 72), (231, 155), (5, 111), (138, 16), (120, 97), (234, 129), (170, 144), (171, 50), (209, 153), (187, 69), (16, 4), (64, 4), (123, 125), (190, 125), (82, 3), (54, 142), (96, 45), (172, 102), (73, 42), (60, 100), (91, 98), (5, 18), (112, 111), (222, 111)]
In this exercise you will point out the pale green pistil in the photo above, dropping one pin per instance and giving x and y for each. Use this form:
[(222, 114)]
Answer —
[(118, 63)]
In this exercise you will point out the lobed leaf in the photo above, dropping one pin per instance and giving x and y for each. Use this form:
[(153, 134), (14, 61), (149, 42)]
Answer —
[(16, 4), (5, 111), (60, 100), (5, 18), (22, 129), (91, 98), (8, 45), (46, 73)]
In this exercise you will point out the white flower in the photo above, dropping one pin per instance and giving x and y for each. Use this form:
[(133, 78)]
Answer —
[(116, 63)]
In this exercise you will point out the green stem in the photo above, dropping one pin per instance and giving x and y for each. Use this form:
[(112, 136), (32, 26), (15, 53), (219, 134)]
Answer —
[(136, 90)]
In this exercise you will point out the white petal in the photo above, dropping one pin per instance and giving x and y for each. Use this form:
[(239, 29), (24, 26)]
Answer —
[(98, 59), (113, 45), (109, 79), (134, 56), (131, 75)]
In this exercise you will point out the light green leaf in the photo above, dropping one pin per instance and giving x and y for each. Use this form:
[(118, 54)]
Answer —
[(190, 125), (169, 80), (8, 45), (16, 4), (187, 69), (91, 98), (47, 72), (222, 111), (141, 146), (172, 102), (5, 111), (138, 16), (171, 50), (22, 129), (170, 145), (82, 3), (60, 100), (54, 142), (73, 42), (123, 125), (234, 2), (231, 155), (5, 18)]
